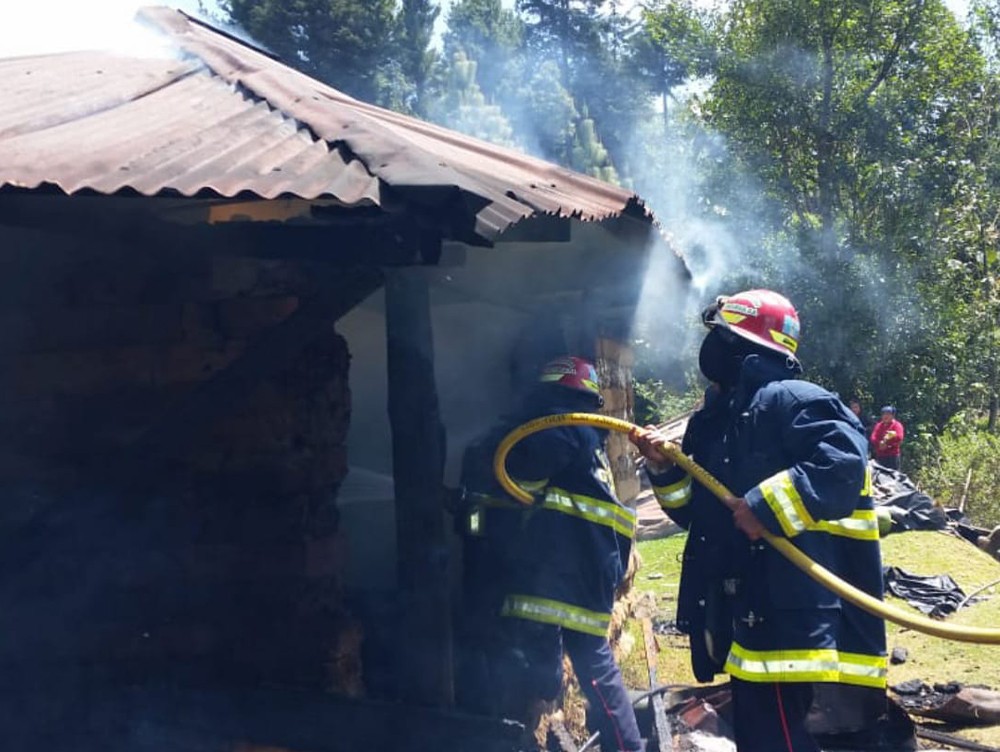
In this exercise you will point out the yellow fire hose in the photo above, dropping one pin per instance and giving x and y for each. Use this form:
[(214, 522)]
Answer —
[(784, 546)]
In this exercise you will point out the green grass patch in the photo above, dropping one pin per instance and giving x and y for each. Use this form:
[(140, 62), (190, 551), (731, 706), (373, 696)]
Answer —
[(931, 658), (660, 576), (661, 566)]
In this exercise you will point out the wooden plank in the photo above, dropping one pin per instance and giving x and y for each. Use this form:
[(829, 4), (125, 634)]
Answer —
[(662, 737), (418, 452)]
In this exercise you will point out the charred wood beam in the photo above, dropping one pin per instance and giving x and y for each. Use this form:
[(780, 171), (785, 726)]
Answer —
[(951, 740), (559, 738), (540, 229), (418, 452), (663, 739), (134, 225), (263, 357), (346, 245)]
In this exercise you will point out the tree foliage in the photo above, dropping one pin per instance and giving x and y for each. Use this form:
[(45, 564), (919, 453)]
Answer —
[(414, 28), (854, 118), (489, 34), (341, 42), (461, 105)]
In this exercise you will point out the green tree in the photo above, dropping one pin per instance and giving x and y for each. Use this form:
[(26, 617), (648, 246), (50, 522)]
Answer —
[(588, 154), (673, 45), (847, 113), (491, 35), (346, 43), (414, 29), (608, 88), (462, 106), (567, 32), (585, 45), (971, 220), (546, 115)]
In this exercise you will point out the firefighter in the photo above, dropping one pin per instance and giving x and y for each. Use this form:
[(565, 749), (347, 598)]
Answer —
[(796, 457), (548, 574)]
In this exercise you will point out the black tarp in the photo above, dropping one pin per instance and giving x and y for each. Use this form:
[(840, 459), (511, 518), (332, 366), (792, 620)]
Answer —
[(935, 595), (910, 508)]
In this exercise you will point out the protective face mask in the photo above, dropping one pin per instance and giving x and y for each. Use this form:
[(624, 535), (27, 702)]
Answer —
[(720, 360)]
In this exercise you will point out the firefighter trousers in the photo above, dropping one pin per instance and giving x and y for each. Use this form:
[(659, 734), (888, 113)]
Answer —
[(536, 673), (771, 716)]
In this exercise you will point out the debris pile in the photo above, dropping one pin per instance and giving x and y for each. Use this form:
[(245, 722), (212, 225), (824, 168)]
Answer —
[(951, 702)]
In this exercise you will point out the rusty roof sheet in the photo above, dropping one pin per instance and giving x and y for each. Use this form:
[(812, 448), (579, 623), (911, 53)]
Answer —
[(225, 119), (96, 121)]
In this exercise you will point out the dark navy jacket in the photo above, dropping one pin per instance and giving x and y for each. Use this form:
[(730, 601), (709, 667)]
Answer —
[(572, 545), (798, 456)]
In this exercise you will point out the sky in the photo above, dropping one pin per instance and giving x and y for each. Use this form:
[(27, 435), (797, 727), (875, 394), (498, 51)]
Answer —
[(31, 27)]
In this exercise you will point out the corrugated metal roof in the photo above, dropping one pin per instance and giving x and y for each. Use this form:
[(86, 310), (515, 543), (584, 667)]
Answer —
[(227, 119), (96, 121)]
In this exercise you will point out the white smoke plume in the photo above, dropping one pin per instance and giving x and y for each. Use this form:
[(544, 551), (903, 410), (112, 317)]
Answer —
[(54, 26)]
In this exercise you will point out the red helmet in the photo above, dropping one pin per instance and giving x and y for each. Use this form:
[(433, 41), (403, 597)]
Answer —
[(762, 316), (572, 373)]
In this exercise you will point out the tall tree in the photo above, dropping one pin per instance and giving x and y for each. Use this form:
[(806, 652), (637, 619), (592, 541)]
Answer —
[(972, 219), (461, 105), (565, 31), (806, 89), (489, 34), (848, 112), (346, 43), (673, 45), (414, 31), (588, 154), (588, 43)]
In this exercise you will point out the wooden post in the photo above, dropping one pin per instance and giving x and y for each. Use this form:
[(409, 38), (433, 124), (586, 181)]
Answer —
[(418, 455), (614, 363)]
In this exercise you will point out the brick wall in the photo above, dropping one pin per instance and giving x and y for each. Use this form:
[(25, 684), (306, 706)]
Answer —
[(220, 561)]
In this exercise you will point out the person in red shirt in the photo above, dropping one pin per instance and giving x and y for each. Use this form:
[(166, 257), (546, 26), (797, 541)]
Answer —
[(886, 438)]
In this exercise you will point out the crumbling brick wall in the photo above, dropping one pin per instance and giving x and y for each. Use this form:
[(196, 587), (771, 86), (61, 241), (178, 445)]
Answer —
[(218, 561)]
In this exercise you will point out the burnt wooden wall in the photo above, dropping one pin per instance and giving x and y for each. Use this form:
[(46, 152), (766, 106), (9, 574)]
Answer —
[(143, 538)]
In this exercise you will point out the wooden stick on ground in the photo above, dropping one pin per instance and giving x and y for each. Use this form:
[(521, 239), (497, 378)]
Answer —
[(663, 739), (965, 491)]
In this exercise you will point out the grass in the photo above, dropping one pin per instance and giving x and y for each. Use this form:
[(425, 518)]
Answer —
[(935, 660), (659, 578), (931, 659)]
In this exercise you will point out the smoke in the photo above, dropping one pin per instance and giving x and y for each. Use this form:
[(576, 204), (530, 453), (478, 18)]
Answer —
[(54, 26), (733, 237), (670, 158)]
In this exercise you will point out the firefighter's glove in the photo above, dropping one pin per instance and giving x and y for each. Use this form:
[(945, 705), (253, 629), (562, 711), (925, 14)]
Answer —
[(744, 519), (648, 441)]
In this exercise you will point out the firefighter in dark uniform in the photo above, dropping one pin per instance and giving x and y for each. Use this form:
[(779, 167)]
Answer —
[(797, 459), (542, 578)]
